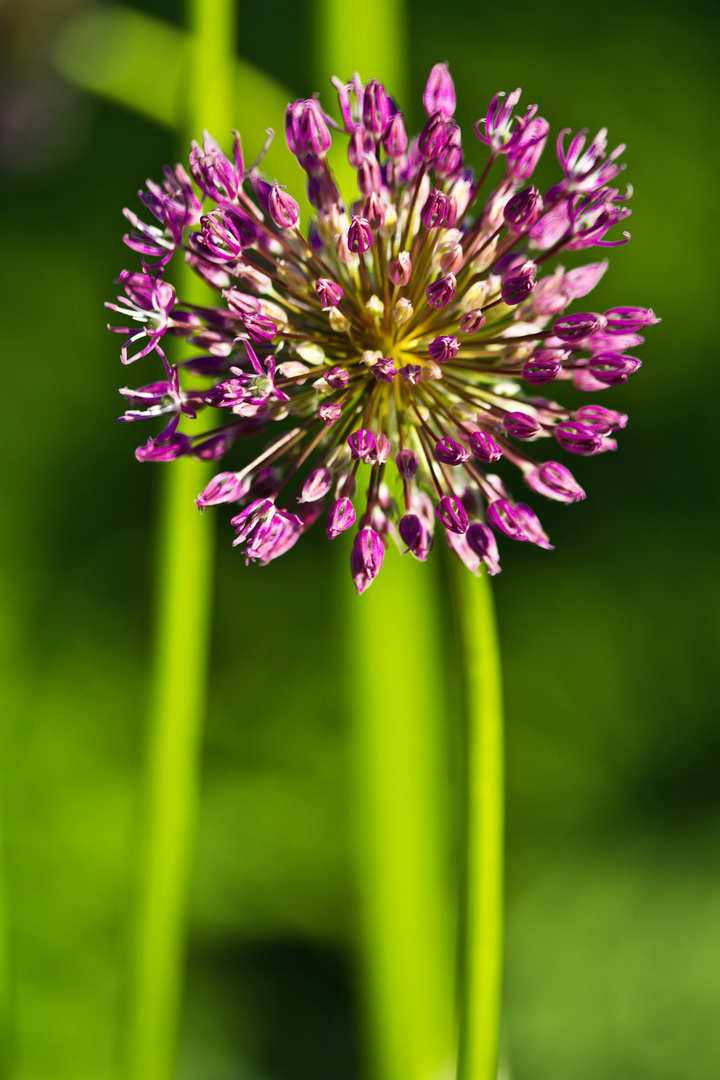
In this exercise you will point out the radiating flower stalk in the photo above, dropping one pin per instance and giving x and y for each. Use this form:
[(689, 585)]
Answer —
[(385, 363)]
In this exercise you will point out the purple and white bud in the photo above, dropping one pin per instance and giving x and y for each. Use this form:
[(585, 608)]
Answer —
[(166, 450), (328, 292), (435, 211), (484, 447), (516, 521), (578, 326), (329, 411), (612, 368), (439, 96), (605, 420), (374, 211), (521, 425), (400, 269), (482, 541), (451, 452), (340, 517), (306, 129), (523, 209), (407, 463), (395, 140), (583, 279), (359, 236), (369, 176), (283, 209), (554, 481), (411, 373), (472, 321), (627, 320), (442, 291), (384, 370), (542, 367), (433, 137), (362, 444), (367, 558), (579, 438), (444, 348), (452, 259), (382, 450), (518, 285), (223, 488), (416, 536), (452, 514), (376, 107), (337, 377), (524, 156), (403, 311), (316, 486)]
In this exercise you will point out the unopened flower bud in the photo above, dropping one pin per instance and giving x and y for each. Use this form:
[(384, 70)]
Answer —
[(376, 107), (403, 311), (542, 367), (439, 93), (554, 481), (375, 307), (384, 370), (367, 558), (612, 368), (627, 320), (444, 348), (316, 486), (579, 438), (519, 284), (381, 452), (576, 327), (329, 411), (451, 452), (395, 140), (359, 236), (523, 209), (223, 488), (605, 420), (374, 210), (451, 513), (472, 321), (340, 518), (442, 291), (452, 259), (338, 320), (362, 444), (484, 447), (521, 425), (283, 209), (369, 178), (435, 210), (337, 377), (329, 294), (400, 269), (407, 463)]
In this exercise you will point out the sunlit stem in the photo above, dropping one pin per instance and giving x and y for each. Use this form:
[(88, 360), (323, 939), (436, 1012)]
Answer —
[(183, 580), (481, 936), (401, 814)]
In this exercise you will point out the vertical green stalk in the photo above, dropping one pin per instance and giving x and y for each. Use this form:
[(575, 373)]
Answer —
[(183, 582), (481, 944), (6, 1033), (400, 761)]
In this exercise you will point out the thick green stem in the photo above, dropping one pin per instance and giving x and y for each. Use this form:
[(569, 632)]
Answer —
[(401, 811), (481, 944), (183, 582)]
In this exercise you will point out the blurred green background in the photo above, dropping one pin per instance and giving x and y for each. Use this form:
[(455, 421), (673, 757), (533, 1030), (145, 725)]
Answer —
[(609, 643)]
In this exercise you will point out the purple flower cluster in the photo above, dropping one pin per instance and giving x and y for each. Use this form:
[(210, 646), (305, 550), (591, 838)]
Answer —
[(399, 343)]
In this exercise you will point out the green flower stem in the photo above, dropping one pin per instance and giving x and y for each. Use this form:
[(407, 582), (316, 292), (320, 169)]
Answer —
[(184, 582), (482, 902), (400, 760)]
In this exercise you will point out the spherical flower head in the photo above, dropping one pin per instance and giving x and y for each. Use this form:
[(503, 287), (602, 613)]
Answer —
[(384, 365)]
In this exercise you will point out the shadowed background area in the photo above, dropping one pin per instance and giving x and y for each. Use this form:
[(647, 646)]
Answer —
[(609, 642)]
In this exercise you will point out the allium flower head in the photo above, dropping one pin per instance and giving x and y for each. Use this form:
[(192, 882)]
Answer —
[(389, 355)]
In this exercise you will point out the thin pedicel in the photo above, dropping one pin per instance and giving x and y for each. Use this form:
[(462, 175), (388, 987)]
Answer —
[(404, 335)]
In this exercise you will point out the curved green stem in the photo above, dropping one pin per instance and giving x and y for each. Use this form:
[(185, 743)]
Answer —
[(184, 580), (482, 902)]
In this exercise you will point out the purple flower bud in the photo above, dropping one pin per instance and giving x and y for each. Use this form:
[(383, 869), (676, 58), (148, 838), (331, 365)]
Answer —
[(376, 107), (306, 129), (395, 140), (521, 425), (248, 519), (407, 463), (340, 518), (451, 452), (576, 327), (316, 486), (555, 482), (362, 444), (484, 447), (472, 321), (283, 209), (542, 367), (400, 269), (329, 294), (605, 420), (367, 558), (439, 96), (452, 514), (259, 327), (524, 156), (482, 541), (583, 279), (167, 450), (518, 285), (452, 260), (411, 373), (329, 412), (516, 521), (223, 488), (433, 137), (384, 370), (523, 209), (612, 368), (337, 377), (369, 176), (626, 320), (442, 291), (410, 531), (578, 438), (435, 211), (444, 348), (382, 450), (212, 449), (359, 235), (374, 210)]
